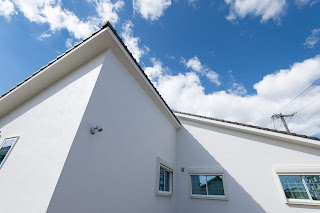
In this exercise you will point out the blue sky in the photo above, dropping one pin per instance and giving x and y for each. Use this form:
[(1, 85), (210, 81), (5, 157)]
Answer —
[(238, 60)]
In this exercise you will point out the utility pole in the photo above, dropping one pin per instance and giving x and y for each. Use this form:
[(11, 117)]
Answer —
[(275, 116)]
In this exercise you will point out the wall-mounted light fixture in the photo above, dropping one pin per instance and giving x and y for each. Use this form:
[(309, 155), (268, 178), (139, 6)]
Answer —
[(96, 129)]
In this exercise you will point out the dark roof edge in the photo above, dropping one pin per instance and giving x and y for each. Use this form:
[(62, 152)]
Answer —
[(104, 25), (251, 126)]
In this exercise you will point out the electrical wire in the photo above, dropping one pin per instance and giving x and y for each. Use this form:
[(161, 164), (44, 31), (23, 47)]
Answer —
[(307, 105), (300, 95)]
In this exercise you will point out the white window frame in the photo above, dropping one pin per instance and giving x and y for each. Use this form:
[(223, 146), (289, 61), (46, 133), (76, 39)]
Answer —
[(11, 148), (161, 163), (208, 172), (297, 171)]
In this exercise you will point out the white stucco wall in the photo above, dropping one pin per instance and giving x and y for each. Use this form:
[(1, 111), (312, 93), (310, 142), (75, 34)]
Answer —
[(115, 170), (248, 162), (47, 125), (59, 166)]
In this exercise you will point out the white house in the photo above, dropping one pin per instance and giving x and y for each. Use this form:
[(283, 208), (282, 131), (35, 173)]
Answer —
[(89, 133)]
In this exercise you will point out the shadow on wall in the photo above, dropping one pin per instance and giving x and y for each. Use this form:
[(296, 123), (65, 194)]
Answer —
[(191, 154)]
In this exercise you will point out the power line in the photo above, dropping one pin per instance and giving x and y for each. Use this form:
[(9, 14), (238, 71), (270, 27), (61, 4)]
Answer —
[(303, 95), (294, 114), (314, 114), (299, 119), (307, 105), (300, 95)]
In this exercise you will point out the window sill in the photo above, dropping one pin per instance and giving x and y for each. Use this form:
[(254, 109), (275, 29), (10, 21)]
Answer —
[(205, 197), (168, 194), (307, 203)]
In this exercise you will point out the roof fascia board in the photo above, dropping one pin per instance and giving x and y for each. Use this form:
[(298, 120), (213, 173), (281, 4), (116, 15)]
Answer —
[(143, 81), (274, 135)]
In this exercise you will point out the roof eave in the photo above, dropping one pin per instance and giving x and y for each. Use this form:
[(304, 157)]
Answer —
[(251, 130)]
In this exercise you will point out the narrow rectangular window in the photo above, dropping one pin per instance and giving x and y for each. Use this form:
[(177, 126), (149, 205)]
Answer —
[(164, 180), (6, 148), (164, 176)]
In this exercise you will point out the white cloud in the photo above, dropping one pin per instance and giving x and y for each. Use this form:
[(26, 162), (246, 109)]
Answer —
[(51, 12), (151, 9), (156, 71), (287, 83), (69, 43), (184, 92), (7, 9), (59, 19), (237, 89), (171, 57), (44, 36), (301, 3), (107, 10), (267, 9), (213, 77), (132, 42), (195, 65), (193, 3), (313, 39)]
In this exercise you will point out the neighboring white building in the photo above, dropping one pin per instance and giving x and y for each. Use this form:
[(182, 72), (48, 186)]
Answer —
[(143, 158)]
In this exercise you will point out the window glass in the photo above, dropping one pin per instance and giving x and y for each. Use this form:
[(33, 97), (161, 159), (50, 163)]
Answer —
[(207, 185), (293, 187), (215, 185), (167, 181), (313, 184), (161, 180), (6, 146), (199, 184)]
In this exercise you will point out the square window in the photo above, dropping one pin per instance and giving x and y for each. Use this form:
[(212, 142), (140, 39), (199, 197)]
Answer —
[(164, 180)]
